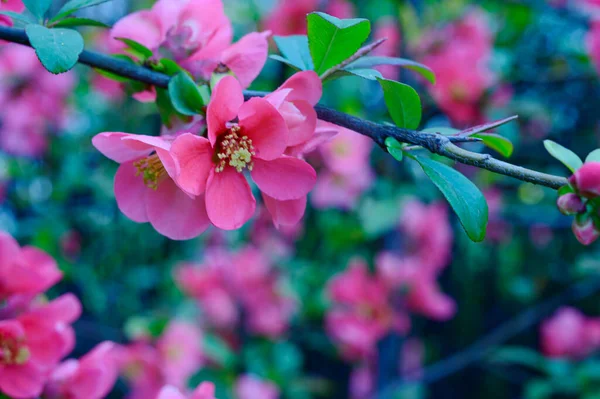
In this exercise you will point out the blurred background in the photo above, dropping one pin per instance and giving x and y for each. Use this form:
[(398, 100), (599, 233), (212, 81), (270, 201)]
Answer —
[(377, 293)]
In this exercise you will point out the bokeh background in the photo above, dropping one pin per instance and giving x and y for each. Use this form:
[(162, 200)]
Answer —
[(377, 293)]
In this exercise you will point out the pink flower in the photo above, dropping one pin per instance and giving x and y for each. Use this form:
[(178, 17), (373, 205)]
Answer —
[(387, 28), (256, 143), (91, 377), (144, 185), (205, 390), (563, 334), (141, 365), (26, 270), (585, 229), (180, 347), (587, 179), (289, 16), (570, 204), (251, 387)]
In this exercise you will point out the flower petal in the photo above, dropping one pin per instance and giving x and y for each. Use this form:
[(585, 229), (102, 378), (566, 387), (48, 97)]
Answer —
[(174, 214), (112, 146), (285, 213), (9, 249), (229, 199), (284, 178), (247, 57), (261, 122), (301, 130), (22, 381), (130, 193), (306, 86), (194, 156), (143, 26), (226, 100)]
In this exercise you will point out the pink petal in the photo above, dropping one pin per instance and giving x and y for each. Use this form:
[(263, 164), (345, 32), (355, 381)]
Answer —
[(278, 97), (112, 146), (194, 156), (143, 26), (170, 392), (284, 178), (209, 25), (146, 96), (130, 193), (205, 390), (227, 98), (286, 213), (229, 199), (247, 57), (174, 214), (261, 122), (302, 131), (322, 135), (140, 141), (306, 86), (23, 381), (9, 249)]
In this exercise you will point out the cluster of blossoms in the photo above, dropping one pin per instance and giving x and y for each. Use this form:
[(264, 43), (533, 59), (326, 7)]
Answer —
[(569, 333), (458, 90), (228, 286), (32, 101), (582, 202)]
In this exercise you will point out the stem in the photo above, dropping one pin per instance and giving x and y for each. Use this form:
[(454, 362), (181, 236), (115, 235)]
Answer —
[(435, 143)]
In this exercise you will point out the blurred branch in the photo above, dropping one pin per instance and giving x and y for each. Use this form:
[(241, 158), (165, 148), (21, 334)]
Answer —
[(481, 348), (435, 143)]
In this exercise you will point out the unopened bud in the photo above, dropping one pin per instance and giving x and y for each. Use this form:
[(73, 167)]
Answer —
[(570, 204), (584, 229)]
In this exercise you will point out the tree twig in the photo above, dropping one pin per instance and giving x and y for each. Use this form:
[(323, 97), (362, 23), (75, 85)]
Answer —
[(435, 143), (360, 53)]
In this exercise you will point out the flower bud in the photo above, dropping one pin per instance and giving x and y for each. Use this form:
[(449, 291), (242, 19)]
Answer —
[(584, 230), (570, 204), (587, 179)]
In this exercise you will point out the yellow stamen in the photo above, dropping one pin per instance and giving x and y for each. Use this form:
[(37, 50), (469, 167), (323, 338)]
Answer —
[(235, 151), (152, 170)]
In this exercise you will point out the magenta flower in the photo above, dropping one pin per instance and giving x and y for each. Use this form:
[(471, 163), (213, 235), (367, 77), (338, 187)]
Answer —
[(141, 365), (251, 387), (144, 185), (289, 16), (181, 352), (256, 142), (205, 390)]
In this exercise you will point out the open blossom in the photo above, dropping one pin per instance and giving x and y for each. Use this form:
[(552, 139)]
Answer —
[(256, 142), (569, 333), (205, 390), (289, 16), (91, 377), (252, 387), (180, 347), (144, 187)]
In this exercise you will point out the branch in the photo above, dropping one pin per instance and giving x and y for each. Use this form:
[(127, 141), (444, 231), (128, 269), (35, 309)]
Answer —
[(435, 143), (481, 348)]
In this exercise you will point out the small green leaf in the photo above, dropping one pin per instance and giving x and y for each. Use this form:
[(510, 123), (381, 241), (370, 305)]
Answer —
[(372, 61), (369, 74), (57, 49), (20, 18), (74, 5), (500, 144), (185, 95), (136, 49), (169, 67), (486, 126), (564, 155), (566, 189), (285, 61), (74, 21), (394, 147), (593, 156), (464, 196), (38, 8), (295, 51), (402, 102), (332, 40)]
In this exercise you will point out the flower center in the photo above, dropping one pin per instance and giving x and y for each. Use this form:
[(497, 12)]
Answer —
[(152, 170), (12, 351), (235, 150)]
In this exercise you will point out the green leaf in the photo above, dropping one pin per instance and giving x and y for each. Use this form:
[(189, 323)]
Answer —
[(593, 156), (370, 74), (371, 61), (464, 197), (74, 5), (566, 189), (57, 49), (500, 144), (285, 61), (443, 130), (332, 40), (185, 95), (74, 21), (16, 17), (402, 102), (136, 49), (564, 155), (486, 126), (169, 67), (394, 147), (38, 8), (295, 51)]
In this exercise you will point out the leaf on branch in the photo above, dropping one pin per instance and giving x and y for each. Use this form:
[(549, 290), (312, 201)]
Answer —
[(169, 67), (295, 51), (462, 195), (394, 147), (185, 95), (332, 40), (74, 21), (498, 143), (593, 156), (370, 74), (443, 130), (22, 19), (75, 5), (57, 49), (135, 49), (564, 155), (486, 126), (38, 8), (372, 61), (402, 102)]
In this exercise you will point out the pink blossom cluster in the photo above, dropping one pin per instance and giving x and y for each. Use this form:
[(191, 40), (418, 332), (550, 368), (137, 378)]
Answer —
[(569, 333), (36, 334), (462, 82), (585, 183), (32, 101), (288, 17), (229, 285)]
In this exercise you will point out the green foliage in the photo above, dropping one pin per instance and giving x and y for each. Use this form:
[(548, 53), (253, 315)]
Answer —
[(394, 147), (74, 21), (564, 155), (57, 49), (332, 40), (18, 18), (403, 103), (497, 143), (136, 49), (73, 5), (295, 52), (38, 8), (464, 197), (372, 61), (593, 156), (187, 98)]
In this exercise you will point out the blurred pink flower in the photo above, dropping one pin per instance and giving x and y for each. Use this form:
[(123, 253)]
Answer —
[(205, 390), (289, 16), (180, 347), (562, 335), (140, 364), (387, 28), (251, 387), (362, 382)]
